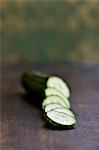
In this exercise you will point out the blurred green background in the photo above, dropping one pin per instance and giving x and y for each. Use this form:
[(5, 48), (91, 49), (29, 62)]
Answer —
[(49, 31)]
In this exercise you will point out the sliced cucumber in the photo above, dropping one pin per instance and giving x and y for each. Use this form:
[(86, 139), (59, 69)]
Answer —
[(52, 106), (54, 91), (65, 111), (60, 119), (59, 84), (53, 99)]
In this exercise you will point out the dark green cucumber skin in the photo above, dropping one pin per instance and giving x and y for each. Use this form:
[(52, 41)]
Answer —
[(33, 83)]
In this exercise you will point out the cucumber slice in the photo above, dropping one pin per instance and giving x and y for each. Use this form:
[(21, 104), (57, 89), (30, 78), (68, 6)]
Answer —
[(60, 119), (54, 91), (65, 111), (59, 84), (53, 99), (52, 106)]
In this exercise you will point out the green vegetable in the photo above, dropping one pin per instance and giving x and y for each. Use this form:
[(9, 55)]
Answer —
[(59, 120), (52, 106), (59, 84), (53, 91), (55, 94), (53, 99)]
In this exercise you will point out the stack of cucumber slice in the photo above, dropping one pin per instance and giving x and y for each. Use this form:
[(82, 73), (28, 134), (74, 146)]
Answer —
[(55, 92)]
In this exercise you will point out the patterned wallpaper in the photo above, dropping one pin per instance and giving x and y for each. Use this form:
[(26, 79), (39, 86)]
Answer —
[(45, 31)]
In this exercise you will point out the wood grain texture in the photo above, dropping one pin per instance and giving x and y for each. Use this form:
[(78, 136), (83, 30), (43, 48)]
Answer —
[(21, 125)]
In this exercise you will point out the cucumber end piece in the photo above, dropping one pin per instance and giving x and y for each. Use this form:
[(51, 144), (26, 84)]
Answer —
[(57, 126)]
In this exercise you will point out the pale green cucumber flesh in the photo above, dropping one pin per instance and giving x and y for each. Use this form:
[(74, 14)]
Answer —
[(53, 99), (59, 84), (53, 91), (52, 106), (61, 118), (65, 111)]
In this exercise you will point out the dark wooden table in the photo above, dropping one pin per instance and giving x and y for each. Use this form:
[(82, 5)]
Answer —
[(21, 125)]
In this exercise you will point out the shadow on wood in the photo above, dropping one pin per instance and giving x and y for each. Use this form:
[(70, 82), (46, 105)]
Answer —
[(33, 99)]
